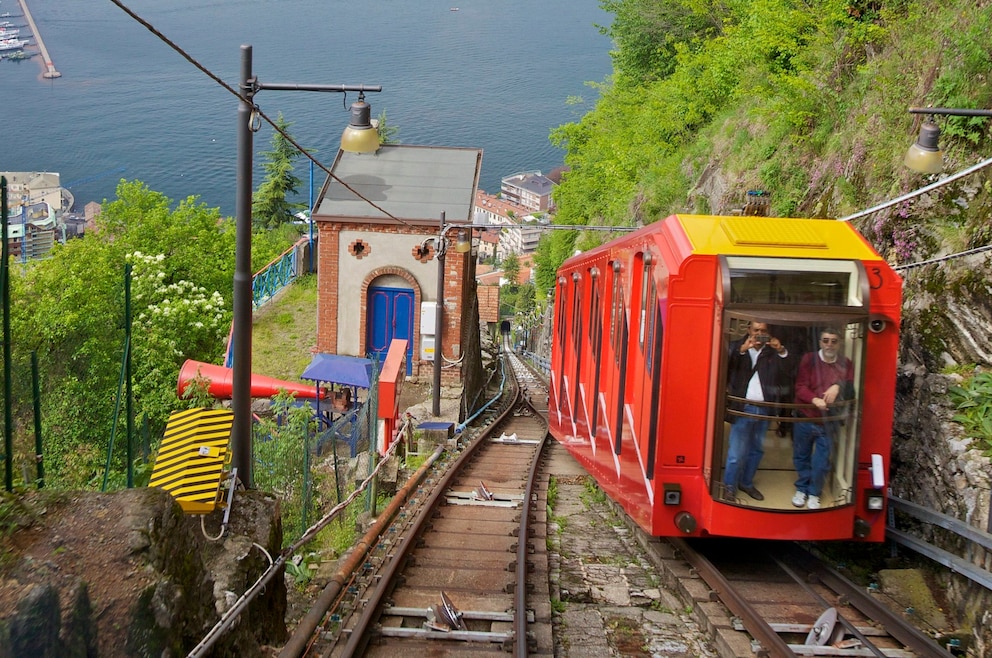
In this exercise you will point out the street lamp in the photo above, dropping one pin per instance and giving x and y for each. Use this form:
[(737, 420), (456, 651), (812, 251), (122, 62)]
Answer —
[(440, 243), (925, 155), (248, 123)]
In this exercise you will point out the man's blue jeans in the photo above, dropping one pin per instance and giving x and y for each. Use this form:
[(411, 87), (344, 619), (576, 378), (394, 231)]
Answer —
[(811, 447), (747, 436)]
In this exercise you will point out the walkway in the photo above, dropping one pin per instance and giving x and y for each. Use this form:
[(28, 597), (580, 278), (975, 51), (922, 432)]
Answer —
[(50, 71)]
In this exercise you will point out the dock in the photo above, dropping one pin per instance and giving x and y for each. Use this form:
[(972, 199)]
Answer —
[(50, 70)]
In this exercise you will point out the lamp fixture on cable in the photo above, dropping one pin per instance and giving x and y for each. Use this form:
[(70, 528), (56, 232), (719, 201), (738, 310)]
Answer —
[(360, 136), (925, 155)]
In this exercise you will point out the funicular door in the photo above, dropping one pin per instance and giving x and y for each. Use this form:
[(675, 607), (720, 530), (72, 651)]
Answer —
[(390, 315)]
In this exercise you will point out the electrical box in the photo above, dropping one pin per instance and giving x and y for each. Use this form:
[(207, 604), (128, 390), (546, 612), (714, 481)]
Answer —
[(426, 348), (428, 318)]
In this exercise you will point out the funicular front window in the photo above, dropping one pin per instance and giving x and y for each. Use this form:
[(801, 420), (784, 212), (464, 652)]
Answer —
[(792, 370)]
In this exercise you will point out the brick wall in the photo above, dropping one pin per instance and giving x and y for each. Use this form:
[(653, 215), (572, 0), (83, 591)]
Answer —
[(336, 260)]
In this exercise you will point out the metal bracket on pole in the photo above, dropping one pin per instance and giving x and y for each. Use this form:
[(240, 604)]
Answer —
[(231, 486)]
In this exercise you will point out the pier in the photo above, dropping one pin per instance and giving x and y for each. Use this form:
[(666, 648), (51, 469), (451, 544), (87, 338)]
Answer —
[(50, 70)]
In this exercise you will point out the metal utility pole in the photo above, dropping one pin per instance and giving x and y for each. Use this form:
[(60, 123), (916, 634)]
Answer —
[(439, 248), (8, 423), (248, 123), (241, 332)]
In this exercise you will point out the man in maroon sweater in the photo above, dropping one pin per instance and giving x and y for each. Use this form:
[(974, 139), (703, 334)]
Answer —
[(824, 378)]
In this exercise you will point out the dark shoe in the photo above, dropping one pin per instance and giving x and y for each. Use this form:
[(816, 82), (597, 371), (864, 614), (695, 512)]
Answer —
[(753, 492), (729, 496)]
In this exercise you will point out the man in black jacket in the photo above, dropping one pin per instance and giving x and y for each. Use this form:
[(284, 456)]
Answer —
[(756, 372)]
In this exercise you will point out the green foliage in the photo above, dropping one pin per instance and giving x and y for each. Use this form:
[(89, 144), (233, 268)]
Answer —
[(282, 462), (511, 268), (70, 310), (591, 493), (302, 569), (341, 535), (197, 394), (270, 206), (973, 400), (414, 462), (388, 133), (176, 319), (13, 513), (710, 98)]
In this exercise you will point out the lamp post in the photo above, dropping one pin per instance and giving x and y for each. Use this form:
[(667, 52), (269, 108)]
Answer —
[(248, 123), (925, 155), (440, 243)]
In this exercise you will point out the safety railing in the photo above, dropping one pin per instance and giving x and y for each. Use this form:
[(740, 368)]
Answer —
[(974, 535), (276, 275), (269, 280)]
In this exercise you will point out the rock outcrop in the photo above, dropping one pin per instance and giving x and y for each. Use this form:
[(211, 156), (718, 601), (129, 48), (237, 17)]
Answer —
[(128, 574)]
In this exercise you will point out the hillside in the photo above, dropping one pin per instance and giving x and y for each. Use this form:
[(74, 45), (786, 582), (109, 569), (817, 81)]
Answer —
[(807, 101), (284, 331)]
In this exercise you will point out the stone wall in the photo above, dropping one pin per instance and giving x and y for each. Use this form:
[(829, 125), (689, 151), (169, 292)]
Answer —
[(935, 465)]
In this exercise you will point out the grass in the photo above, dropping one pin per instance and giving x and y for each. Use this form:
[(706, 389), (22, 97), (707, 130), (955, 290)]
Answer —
[(284, 331)]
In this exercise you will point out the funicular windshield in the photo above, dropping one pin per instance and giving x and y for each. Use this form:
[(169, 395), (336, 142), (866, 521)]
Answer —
[(792, 373)]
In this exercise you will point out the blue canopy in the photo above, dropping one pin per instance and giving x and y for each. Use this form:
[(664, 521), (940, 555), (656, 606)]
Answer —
[(338, 369)]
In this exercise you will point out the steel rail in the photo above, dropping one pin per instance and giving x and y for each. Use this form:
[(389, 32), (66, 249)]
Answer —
[(520, 600), (851, 628), (358, 636), (753, 622), (302, 634), (911, 637)]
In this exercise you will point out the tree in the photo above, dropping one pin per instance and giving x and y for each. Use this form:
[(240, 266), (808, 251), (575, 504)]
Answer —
[(511, 269), (387, 131), (270, 205), (69, 309)]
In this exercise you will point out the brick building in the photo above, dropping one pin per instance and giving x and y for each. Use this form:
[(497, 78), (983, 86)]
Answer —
[(377, 267)]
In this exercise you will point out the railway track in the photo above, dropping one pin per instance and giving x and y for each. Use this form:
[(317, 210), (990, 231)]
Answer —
[(452, 572), (793, 604), (451, 575)]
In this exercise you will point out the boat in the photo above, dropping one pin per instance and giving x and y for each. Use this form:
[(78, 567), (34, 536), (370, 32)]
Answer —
[(19, 55), (11, 44), (8, 34), (454, 9)]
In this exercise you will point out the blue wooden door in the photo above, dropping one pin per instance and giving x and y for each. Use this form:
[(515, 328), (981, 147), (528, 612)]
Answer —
[(390, 315)]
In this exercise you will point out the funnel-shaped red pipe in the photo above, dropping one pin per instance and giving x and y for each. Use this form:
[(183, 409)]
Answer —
[(222, 382)]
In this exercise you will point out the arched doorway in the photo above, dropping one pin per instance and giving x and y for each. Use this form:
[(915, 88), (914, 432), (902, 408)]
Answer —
[(390, 314)]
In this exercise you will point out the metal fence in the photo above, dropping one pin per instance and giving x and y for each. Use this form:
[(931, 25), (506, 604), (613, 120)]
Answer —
[(279, 273)]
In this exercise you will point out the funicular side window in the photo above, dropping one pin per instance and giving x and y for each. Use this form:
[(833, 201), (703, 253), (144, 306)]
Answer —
[(561, 334), (652, 332), (793, 371), (619, 329), (595, 342), (560, 315), (576, 337)]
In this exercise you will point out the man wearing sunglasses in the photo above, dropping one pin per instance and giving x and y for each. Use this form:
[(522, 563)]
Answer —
[(824, 378)]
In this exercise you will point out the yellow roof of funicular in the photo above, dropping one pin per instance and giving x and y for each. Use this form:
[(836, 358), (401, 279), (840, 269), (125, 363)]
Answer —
[(191, 459), (774, 236)]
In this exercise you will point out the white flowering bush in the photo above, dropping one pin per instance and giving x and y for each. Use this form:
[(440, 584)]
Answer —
[(172, 320)]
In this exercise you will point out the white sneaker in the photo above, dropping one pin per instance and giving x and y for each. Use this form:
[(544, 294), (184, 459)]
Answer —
[(799, 499), (813, 502)]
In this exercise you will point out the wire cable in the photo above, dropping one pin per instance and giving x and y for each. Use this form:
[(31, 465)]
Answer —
[(256, 111)]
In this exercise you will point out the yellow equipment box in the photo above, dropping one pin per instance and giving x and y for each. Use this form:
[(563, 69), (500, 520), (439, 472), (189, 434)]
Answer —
[(191, 460)]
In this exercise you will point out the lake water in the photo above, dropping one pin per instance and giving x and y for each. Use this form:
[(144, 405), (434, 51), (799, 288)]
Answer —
[(496, 75)]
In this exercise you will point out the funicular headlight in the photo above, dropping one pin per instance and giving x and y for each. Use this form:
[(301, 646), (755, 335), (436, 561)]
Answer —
[(874, 500)]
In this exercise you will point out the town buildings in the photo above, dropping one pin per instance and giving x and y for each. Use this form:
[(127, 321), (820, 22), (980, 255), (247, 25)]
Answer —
[(528, 189), (36, 205)]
